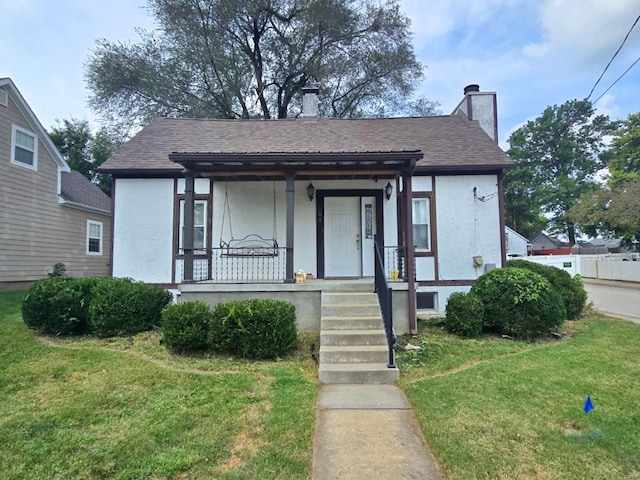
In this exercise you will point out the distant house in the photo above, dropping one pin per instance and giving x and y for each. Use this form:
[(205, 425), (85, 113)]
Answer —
[(222, 208), (543, 244), (517, 245), (49, 213)]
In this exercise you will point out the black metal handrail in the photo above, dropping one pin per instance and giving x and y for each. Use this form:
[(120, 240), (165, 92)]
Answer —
[(385, 298)]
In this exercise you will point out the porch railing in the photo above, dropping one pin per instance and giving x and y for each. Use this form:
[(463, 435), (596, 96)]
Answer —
[(220, 265), (393, 260), (385, 298)]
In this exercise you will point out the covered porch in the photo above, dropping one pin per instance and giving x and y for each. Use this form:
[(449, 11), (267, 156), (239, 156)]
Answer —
[(375, 185)]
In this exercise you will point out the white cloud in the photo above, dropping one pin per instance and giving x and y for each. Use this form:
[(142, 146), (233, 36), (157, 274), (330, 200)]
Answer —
[(583, 33)]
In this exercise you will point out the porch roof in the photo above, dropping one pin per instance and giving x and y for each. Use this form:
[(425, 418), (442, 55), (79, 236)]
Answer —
[(305, 163), (449, 142)]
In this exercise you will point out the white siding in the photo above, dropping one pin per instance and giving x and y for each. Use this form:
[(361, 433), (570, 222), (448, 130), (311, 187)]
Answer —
[(143, 229), (36, 231)]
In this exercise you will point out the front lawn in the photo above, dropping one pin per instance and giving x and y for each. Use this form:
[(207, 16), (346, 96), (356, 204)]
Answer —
[(493, 408), (126, 408)]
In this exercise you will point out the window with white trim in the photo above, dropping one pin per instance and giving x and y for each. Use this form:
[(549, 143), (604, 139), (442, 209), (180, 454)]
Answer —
[(24, 148), (199, 224), (421, 219), (94, 238)]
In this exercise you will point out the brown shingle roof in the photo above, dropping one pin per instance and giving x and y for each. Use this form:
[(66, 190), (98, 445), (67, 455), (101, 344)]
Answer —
[(78, 189), (446, 141)]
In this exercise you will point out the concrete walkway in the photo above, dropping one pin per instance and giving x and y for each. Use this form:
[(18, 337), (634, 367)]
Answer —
[(369, 432)]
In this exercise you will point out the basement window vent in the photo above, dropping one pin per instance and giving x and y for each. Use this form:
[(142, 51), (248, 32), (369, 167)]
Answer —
[(426, 300), (4, 98)]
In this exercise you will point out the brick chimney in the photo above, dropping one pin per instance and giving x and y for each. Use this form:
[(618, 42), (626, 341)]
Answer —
[(310, 102), (480, 106)]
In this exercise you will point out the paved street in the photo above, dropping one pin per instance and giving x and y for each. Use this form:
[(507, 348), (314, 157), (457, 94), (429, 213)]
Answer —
[(621, 299)]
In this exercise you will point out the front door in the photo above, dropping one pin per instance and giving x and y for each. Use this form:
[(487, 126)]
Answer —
[(343, 238)]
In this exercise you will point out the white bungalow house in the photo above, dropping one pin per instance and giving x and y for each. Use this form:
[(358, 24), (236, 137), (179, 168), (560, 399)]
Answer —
[(268, 198)]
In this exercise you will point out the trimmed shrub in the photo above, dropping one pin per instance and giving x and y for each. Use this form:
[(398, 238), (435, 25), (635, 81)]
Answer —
[(120, 306), (185, 326), (260, 329), (570, 289), (58, 305), (464, 315), (519, 302)]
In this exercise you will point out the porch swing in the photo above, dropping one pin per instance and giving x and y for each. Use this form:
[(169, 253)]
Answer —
[(252, 245)]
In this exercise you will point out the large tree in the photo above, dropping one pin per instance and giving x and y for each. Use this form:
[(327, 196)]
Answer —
[(83, 150), (557, 158), (251, 58), (614, 209)]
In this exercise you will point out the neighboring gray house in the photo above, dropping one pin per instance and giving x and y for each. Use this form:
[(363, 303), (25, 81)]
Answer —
[(542, 241), (49, 213)]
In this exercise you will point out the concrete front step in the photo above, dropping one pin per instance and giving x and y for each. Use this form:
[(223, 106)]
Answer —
[(354, 353), (365, 309), (353, 337), (351, 323), (358, 373), (336, 286), (349, 298)]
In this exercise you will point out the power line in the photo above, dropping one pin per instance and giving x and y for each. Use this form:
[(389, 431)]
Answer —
[(612, 58), (611, 86)]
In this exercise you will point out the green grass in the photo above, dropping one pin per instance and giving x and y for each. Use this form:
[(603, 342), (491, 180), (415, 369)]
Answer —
[(497, 409), (127, 408)]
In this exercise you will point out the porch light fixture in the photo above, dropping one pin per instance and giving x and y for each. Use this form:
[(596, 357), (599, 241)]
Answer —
[(311, 190), (388, 190)]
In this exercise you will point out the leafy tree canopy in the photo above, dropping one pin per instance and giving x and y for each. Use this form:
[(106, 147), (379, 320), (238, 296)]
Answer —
[(614, 209), (251, 58), (557, 156), (83, 150)]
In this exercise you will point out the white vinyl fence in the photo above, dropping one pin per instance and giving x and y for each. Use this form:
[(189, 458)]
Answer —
[(616, 266)]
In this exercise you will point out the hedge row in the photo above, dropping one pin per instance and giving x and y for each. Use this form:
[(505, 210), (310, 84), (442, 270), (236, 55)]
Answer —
[(103, 307), (525, 300), (261, 329)]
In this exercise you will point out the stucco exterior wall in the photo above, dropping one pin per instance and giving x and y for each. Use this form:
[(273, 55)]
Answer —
[(468, 224), (143, 229), (251, 206)]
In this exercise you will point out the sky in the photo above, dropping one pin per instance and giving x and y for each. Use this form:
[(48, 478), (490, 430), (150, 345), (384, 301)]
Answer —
[(533, 53)]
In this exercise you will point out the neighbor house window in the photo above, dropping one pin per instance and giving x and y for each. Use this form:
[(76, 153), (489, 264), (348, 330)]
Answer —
[(199, 224), (421, 220), (24, 148), (94, 238)]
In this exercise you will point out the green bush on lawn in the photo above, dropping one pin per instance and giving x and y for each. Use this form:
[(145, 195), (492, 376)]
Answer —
[(572, 290), (185, 326), (58, 305), (519, 302), (464, 315), (260, 329), (121, 306)]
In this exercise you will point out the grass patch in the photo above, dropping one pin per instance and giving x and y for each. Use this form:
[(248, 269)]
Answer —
[(497, 409), (127, 408)]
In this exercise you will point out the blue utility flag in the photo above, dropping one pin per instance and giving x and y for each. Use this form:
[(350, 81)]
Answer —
[(588, 405)]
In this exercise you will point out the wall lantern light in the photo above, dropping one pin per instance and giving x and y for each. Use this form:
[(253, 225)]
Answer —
[(311, 190), (388, 190)]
